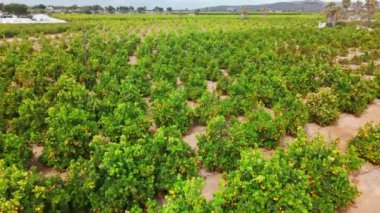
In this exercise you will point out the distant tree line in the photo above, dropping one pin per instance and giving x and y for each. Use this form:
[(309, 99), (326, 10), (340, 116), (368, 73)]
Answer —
[(15, 9), (22, 9)]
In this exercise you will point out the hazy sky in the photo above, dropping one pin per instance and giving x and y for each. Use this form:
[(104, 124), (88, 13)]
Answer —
[(177, 4)]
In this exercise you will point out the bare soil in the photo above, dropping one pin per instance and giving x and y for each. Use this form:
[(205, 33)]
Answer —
[(224, 72), (347, 126), (241, 118), (352, 53), (41, 168), (286, 141), (267, 152), (179, 82), (369, 77), (191, 104), (133, 60), (224, 97), (211, 86), (368, 178), (352, 67), (191, 137), (212, 180), (368, 182)]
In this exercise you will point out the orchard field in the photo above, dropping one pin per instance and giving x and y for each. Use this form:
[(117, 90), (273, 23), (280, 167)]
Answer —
[(178, 113)]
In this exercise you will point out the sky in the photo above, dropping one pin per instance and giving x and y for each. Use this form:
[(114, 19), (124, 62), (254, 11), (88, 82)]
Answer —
[(176, 4)]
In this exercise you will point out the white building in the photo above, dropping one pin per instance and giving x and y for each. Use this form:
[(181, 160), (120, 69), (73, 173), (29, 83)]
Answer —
[(36, 19)]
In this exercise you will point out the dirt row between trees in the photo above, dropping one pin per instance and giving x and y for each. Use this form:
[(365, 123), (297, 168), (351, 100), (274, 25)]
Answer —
[(367, 179), (46, 171)]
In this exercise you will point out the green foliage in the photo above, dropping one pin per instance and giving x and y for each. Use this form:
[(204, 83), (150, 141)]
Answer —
[(110, 93), (77, 95), (13, 150), (294, 112), (309, 177), (220, 146), (269, 89), (377, 80), (323, 106), (216, 148), (124, 175), (195, 86), (185, 196), (328, 173), (127, 120), (354, 93), (9, 101), (83, 178), (30, 122), (172, 111), (242, 96), (162, 89), (26, 191), (261, 129), (69, 132), (367, 143), (207, 108), (67, 91), (178, 162), (16, 9), (260, 185)]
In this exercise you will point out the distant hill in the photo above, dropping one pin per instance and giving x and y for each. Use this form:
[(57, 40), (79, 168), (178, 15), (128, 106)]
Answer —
[(307, 5)]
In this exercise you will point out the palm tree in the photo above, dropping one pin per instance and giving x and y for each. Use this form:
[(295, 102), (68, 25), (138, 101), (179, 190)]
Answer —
[(332, 11), (371, 8), (358, 8), (244, 12), (264, 11), (346, 4)]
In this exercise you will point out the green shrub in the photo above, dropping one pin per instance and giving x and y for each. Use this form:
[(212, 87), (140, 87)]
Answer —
[(26, 191), (185, 196), (207, 108), (123, 175), (70, 131), (242, 95), (261, 130), (217, 150), (172, 111), (367, 143), (162, 89), (126, 174), (220, 146), (327, 170), (269, 89), (195, 86), (259, 185), (310, 177), (294, 112), (178, 162), (30, 124), (128, 120), (354, 93), (377, 80), (14, 150), (323, 106)]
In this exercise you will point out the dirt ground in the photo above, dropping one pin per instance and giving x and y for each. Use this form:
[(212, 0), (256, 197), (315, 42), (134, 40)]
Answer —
[(368, 178), (41, 168)]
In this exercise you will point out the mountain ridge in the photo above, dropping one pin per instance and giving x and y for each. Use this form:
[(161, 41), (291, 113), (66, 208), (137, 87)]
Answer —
[(306, 5)]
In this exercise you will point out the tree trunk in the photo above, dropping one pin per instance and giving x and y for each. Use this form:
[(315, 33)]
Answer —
[(370, 16), (346, 15)]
